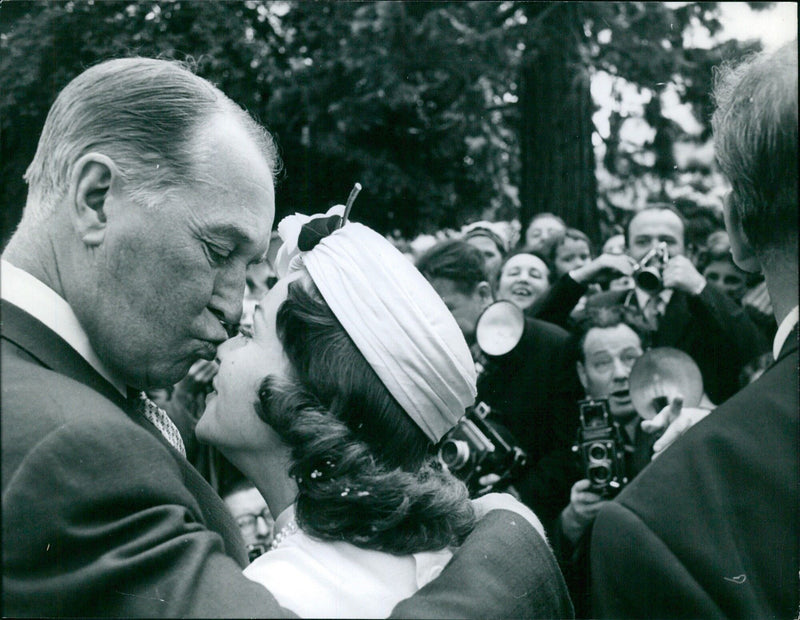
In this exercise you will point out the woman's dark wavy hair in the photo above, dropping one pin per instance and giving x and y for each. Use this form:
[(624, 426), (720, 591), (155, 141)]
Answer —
[(366, 473)]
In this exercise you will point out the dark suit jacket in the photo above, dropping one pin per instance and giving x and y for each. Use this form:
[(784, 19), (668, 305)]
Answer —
[(710, 327), (102, 517), (710, 528), (535, 390)]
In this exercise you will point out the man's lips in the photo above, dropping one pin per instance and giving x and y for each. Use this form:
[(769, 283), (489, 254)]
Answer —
[(621, 395)]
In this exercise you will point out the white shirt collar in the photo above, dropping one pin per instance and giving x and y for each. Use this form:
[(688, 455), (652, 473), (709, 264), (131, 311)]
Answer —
[(784, 329), (642, 297), (44, 304)]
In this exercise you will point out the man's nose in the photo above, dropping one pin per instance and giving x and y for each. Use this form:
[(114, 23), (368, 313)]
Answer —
[(228, 296), (621, 370)]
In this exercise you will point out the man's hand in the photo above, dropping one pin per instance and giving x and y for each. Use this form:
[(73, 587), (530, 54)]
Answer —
[(621, 264), (758, 298), (674, 420), (681, 274), (583, 508)]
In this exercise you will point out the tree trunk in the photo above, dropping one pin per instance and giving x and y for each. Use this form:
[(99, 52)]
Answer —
[(558, 163)]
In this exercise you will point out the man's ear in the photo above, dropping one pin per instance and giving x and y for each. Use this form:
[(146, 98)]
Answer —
[(484, 290), (743, 254), (92, 176), (581, 374)]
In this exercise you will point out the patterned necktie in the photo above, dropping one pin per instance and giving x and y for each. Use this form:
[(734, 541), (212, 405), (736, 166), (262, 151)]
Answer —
[(653, 310), (159, 418)]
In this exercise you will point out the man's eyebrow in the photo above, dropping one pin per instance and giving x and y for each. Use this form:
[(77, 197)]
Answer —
[(229, 230), (236, 233)]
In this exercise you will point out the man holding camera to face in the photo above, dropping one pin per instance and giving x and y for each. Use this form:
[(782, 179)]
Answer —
[(674, 306)]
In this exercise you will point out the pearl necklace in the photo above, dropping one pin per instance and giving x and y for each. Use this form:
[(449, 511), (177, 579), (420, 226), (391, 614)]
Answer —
[(286, 531)]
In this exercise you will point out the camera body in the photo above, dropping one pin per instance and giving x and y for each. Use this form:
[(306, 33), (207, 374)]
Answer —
[(649, 272), (475, 448), (600, 448)]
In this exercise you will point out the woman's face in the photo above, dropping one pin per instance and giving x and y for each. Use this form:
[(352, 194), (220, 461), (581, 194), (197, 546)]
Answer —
[(571, 254), (230, 419), (523, 279)]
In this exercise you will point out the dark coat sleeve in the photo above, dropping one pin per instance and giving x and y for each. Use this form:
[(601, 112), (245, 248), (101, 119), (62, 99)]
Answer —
[(503, 570), (724, 340), (97, 521), (637, 576), (558, 302)]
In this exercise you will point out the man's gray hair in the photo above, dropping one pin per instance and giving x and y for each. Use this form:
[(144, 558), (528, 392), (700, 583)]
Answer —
[(755, 139), (141, 112)]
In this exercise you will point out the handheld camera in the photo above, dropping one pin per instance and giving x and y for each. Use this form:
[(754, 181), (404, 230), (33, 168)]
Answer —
[(475, 448), (649, 272), (600, 448)]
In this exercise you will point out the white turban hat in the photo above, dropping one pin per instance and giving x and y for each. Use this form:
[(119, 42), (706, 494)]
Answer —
[(393, 315)]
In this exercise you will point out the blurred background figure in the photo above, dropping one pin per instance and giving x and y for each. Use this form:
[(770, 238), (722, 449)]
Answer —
[(490, 238), (615, 244), (541, 231), (748, 290), (523, 278), (252, 515), (569, 251)]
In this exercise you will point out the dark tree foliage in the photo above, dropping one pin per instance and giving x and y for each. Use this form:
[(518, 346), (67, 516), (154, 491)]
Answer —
[(416, 100)]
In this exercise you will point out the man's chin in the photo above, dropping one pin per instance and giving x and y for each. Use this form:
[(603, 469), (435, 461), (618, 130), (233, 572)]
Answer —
[(624, 416)]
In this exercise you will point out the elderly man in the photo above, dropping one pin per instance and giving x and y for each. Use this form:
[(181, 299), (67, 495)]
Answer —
[(710, 529), (149, 195), (686, 313)]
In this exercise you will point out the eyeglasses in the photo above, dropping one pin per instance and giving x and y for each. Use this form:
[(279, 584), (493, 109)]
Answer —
[(248, 522)]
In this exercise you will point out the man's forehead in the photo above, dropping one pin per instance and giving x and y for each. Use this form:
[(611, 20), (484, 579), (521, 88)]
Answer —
[(656, 219), (600, 339)]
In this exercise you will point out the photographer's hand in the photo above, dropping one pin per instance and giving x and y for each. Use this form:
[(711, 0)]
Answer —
[(621, 264), (674, 420), (681, 274), (583, 508)]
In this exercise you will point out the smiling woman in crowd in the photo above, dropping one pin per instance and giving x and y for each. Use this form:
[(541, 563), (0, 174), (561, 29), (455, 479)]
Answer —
[(524, 278)]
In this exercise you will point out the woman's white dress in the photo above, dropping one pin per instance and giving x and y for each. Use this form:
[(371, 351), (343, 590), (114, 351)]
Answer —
[(320, 579)]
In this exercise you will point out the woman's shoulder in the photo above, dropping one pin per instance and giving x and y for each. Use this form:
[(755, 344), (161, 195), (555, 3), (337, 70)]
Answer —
[(337, 579)]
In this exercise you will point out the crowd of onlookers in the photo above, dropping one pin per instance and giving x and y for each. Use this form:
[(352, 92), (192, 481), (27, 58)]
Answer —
[(587, 320)]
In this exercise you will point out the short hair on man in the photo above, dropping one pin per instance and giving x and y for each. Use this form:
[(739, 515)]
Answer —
[(601, 318), (655, 206), (454, 260), (755, 142), (145, 114)]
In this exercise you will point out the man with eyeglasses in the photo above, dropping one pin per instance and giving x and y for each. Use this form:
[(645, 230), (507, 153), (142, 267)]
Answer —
[(252, 515)]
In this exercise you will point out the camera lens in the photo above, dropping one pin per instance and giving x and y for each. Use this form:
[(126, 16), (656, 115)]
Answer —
[(597, 452), (454, 454), (648, 280), (600, 474)]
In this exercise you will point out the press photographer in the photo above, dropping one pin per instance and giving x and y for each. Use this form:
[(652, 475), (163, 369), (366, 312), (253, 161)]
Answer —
[(612, 446), (531, 390)]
